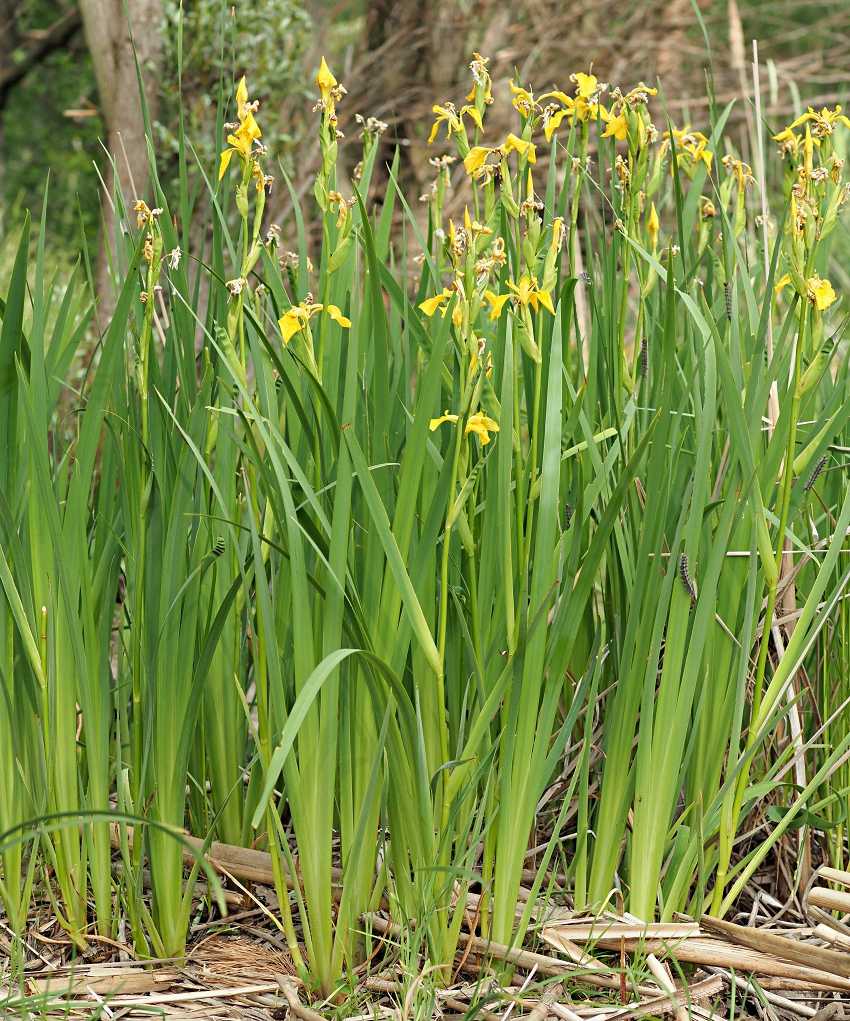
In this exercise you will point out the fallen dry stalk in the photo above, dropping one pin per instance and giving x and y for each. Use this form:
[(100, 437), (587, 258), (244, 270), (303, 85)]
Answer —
[(526, 959), (789, 950)]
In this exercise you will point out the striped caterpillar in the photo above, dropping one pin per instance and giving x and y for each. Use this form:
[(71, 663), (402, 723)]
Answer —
[(685, 575), (727, 291), (644, 358), (814, 476)]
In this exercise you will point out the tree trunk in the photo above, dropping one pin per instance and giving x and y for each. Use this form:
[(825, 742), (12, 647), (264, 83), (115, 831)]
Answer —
[(111, 48)]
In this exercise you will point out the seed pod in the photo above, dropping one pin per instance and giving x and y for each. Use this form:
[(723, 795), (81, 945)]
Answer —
[(814, 476), (685, 575)]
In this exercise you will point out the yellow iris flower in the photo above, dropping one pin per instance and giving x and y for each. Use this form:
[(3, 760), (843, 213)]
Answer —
[(526, 293), (452, 117), (615, 124), (497, 302), (430, 305), (479, 424), (243, 138), (441, 301), (615, 119), (693, 146), (824, 123), (482, 426), (478, 154), (820, 292), (523, 100), (584, 107), (299, 316)]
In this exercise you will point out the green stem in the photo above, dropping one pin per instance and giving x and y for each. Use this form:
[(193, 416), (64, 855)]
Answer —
[(729, 824), (576, 196), (443, 615)]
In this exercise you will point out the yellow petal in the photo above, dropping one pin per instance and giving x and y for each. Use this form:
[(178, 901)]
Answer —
[(430, 305), (554, 123), (545, 300), (326, 81), (522, 147), (585, 84), (616, 125), (586, 111), (782, 283), (652, 227), (241, 98), (822, 291), (291, 322), (437, 422), (476, 158), (562, 96), (249, 127), (802, 120), (524, 290), (474, 114), (482, 426), (224, 162), (497, 301), (337, 316)]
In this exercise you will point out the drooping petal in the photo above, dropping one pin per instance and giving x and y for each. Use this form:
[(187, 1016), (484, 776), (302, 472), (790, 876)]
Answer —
[(554, 122), (337, 316), (224, 162), (524, 148), (808, 116), (437, 422), (476, 158), (475, 115), (545, 300), (497, 301), (430, 305), (784, 281), (561, 96), (292, 321)]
